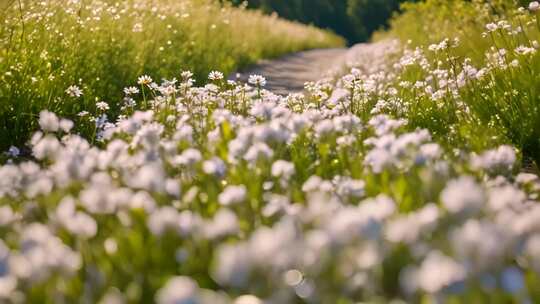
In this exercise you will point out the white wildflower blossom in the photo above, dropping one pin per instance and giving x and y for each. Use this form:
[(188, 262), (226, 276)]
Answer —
[(215, 166), (48, 121), (179, 290), (257, 80), (74, 91), (131, 91), (248, 299), (463, 194), (491, 27), (224, 223), (102, 106), (215, 75), (351, 188), (163, 219), (76, 222), (438, 272), (501, 159), (144, 80), (234, 265), (283, 169), (232, 195)]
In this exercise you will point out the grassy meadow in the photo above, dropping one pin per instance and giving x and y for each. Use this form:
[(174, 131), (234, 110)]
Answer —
[(103, 46), (411, 177)]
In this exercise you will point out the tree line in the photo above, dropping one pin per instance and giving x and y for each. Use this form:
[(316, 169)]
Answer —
[(355, 20)]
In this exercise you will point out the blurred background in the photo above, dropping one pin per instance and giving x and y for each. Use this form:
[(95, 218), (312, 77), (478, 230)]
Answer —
[(355, 20)]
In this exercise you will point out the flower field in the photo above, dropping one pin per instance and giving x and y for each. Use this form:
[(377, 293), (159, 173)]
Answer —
[(408, 177), (102, 45)]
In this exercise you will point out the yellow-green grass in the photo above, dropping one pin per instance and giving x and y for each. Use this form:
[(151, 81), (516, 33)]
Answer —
[(102, 46)]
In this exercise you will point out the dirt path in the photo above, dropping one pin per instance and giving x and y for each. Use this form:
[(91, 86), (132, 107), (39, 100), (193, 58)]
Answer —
[(289, 73)]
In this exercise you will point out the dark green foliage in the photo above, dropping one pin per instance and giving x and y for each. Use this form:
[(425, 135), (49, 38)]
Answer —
[(356, 20)]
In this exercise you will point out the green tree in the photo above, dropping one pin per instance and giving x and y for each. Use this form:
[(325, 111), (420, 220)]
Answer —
[(355, 20)]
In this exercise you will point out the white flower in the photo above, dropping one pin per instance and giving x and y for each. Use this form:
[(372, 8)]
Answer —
[(258, 151), (76, 222), (383, 124), (234, 264), (462, 194), (131, 90), (179, 290), (111, 246), (186, 75), (408, 228), (144, 80), (283, 169), (183, 132), (348, 187), (324, 127), (438, 272), (148, 136), (257, 80), (96, 200), (526, 178), (102, 106), (534, 6), (48, 121), (137, 28), (491, 27), (7, 216), (378, 208), (8, 285), (66, 125), (189, 157), (224, 223), (502, 197), (316, 183), (247, 299), (379, 159), (173, 188), (163, 219), (47, 147), (168, 90), (150, 176), (215, 166), (480, 243), (215, 75), (428, 152), (43, 254), (232, 195), (74, 91), (501, 159)]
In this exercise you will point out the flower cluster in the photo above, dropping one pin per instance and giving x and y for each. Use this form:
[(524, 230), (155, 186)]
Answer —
[(228, 193), (288, 203)]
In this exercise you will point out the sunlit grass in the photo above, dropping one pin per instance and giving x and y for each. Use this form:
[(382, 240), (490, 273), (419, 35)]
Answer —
[(100, 46), (491, 40)]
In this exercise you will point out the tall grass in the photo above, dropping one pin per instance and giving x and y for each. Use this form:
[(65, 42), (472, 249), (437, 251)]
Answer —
[(101, 46)]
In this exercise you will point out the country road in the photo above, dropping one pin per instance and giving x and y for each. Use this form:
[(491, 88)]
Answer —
[(289, 73)]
